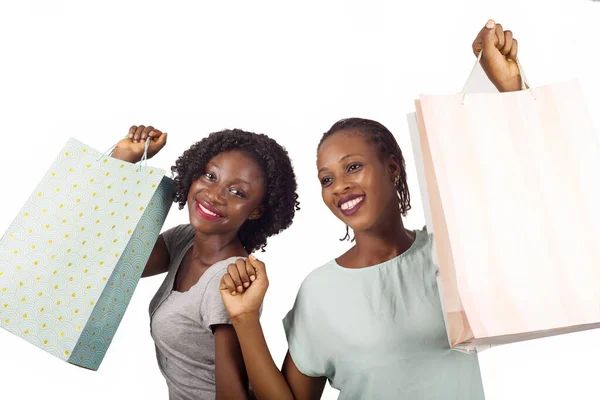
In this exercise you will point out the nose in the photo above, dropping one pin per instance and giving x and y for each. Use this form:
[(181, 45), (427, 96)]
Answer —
[(215, 194), (341, 186)]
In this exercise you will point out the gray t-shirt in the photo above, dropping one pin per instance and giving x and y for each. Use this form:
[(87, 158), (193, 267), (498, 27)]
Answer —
[(181, 323), (378, 332)]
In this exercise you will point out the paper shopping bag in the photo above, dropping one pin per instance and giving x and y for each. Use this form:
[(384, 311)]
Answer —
[(72, 257), (510, 183)]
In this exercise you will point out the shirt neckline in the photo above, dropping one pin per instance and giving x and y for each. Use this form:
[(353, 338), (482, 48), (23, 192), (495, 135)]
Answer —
[(201, 277), (419, 235)]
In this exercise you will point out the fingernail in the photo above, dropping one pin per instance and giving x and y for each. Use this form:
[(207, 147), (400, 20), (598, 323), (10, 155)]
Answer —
[(252, 257), (252, 278), (233, 293), (490, 24), (240, 289), (246, 284)]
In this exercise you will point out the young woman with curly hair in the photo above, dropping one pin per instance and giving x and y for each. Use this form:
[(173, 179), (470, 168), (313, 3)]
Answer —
[(240, 189)]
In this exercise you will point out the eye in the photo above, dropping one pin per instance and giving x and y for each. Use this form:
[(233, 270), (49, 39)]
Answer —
[(237, 192), (353, 167), (326, 181), (210, 176)]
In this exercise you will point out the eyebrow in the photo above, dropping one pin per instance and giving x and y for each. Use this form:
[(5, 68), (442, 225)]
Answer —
[(243, 181), (341, 159)]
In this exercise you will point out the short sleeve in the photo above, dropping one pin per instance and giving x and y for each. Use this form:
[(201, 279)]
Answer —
[(212, 309), (301, 325), (177, 237)]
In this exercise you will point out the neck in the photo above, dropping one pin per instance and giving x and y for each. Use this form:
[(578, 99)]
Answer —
[(209, 249), (386, 240)]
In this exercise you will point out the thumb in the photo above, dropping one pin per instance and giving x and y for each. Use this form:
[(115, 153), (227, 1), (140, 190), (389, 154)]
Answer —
[(489, 37), (492, 57), (156, 144), (223, 285), (259, 267), (162, 139), (486, 39), (489, 42), (226, 285)]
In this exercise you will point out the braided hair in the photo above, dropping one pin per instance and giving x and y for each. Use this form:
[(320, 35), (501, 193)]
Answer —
[(378, 135)]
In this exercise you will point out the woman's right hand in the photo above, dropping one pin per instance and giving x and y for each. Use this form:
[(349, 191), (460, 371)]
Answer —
[(131, 148), (243, 287)]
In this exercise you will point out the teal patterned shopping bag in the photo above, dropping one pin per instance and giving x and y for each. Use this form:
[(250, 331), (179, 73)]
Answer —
[(72, 257)]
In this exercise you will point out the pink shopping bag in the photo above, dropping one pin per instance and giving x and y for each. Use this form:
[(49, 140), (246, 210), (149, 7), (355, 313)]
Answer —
[(510, 185)]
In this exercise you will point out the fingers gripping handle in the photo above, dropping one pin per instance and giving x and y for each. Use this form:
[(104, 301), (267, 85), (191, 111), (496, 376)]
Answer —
[(143, 161), (524, 82)]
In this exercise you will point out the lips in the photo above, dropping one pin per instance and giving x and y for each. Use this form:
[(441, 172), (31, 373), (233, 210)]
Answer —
[(350, 204), (348, 198), (208, 211)]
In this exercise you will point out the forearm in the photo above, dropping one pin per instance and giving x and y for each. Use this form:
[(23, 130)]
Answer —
[(268, 383)]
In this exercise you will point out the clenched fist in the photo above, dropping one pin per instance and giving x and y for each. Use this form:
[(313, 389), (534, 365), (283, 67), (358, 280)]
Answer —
[(243, 287), (131, 148), (499, 56)]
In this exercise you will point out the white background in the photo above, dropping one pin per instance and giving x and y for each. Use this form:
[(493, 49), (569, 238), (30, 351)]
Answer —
[(91, 70)]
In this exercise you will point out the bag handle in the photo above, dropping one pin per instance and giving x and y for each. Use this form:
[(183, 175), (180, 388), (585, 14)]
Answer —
[(144, 158), (524, 82)]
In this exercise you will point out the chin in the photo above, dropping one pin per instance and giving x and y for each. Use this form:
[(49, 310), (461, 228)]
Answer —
[(359, 223), (196, 223), (204, 227), (210, 227), (200, 224)]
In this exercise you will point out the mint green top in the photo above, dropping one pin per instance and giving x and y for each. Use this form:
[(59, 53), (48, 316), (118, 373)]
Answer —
[(378, 332)]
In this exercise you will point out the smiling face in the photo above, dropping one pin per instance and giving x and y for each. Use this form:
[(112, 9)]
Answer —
[(356, 184), (227, 194)]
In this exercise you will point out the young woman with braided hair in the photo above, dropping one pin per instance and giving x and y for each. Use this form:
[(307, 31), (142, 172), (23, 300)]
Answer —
[(369, 321)]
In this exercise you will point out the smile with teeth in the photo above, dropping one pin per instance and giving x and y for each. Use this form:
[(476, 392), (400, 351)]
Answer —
[(351, 204), (204, 209)]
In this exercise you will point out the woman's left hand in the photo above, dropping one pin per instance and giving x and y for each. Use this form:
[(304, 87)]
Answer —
[(499, 56), (243, 288)]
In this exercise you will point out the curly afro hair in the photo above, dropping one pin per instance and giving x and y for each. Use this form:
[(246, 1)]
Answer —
[(281, 200)]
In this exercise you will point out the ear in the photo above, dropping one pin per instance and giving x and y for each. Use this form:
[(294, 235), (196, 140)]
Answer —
[(257, 213), (393, 166)]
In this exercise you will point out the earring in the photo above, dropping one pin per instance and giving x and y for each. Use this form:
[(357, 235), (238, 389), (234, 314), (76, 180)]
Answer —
[(396, 180), (347, 237)]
